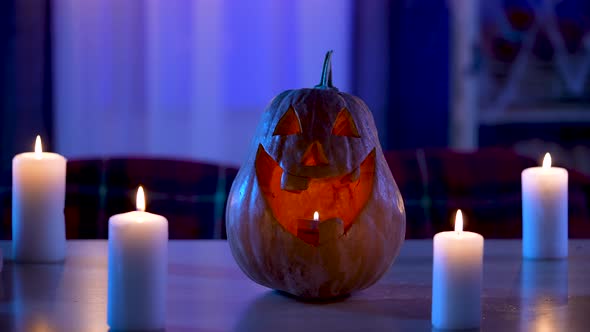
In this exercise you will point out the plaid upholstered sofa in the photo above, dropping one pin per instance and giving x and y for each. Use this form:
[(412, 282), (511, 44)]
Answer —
[(484, 184), (192, 195)]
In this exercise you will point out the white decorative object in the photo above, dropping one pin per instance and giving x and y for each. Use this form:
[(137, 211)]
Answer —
[(544, 211), (138, 256), (457, 278), (38, 196)]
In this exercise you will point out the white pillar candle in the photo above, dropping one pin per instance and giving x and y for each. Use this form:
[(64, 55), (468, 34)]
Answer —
[(544, 211), (457, 278), (137, 263), (38, 195)]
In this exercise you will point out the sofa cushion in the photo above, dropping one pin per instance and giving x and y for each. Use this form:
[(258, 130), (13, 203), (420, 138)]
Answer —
[(484, 184)]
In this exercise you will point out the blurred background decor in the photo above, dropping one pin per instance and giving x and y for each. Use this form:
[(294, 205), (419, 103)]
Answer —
[(535, 78), (132, 87)]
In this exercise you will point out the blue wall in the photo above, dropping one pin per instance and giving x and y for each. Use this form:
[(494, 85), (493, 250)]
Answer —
[(419, 94)]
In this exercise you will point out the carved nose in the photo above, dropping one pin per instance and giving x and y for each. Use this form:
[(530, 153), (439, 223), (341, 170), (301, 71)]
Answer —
[(314, 155)]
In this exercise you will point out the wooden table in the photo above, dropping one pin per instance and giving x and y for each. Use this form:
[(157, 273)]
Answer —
[(208, 292)]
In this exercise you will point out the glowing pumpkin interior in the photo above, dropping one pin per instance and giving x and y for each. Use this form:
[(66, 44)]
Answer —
[(338, 200)]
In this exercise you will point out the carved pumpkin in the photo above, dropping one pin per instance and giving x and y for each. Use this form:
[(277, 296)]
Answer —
[(315, 150)]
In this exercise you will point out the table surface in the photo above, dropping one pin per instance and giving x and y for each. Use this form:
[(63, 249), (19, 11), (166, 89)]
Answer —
[(208, 292)]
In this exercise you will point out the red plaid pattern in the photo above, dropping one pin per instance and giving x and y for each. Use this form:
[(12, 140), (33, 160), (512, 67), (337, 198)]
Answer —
[(191, 195), (434, 183), (484, 184)]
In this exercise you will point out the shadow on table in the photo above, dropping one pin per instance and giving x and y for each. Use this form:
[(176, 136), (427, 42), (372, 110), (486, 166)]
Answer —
[(24, 287), (375, 309)]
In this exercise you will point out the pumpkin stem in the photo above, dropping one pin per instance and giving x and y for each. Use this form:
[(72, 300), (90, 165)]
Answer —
[(326, 81)]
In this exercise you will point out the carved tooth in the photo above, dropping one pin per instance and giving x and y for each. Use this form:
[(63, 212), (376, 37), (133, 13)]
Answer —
[(352, 176), (293, 183), (330, 229), (356, 174)]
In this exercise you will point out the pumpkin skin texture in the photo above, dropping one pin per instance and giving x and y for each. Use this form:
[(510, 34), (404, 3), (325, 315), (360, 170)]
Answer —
[(315, 150)]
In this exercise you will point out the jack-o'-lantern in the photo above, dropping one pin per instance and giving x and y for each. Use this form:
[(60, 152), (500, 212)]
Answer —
[(315, 211)]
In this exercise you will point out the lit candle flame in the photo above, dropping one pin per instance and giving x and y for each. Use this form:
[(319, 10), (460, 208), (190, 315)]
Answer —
[(547, 160), (316, 216), (38, 148), (140, 199), (459, 222)]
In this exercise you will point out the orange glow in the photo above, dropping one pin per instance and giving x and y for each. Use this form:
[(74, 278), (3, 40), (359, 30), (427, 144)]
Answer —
[(288, 124), (314, 156), (337, 197), (344, 125)]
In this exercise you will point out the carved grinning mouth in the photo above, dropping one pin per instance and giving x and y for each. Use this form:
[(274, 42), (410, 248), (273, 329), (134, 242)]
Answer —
[(294, 199)]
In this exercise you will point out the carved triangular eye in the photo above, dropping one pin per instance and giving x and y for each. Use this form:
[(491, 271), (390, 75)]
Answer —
[(344, 125), (288, 124)]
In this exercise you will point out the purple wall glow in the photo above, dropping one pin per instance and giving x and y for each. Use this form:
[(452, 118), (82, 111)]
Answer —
[(185, 79)]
